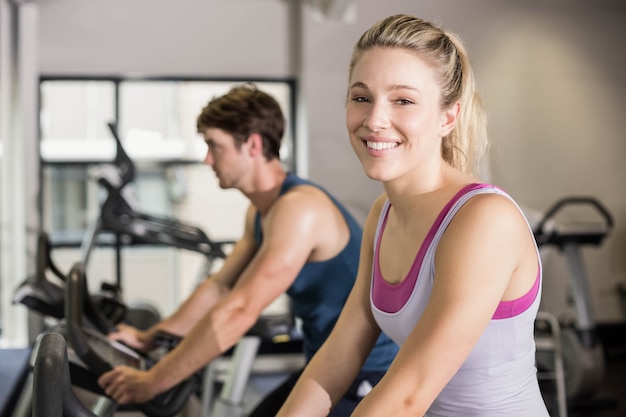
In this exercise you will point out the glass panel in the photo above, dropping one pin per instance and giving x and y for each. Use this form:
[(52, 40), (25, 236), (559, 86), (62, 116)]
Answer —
[(73, 120), (158, 118), (157, 123), (66, 198)]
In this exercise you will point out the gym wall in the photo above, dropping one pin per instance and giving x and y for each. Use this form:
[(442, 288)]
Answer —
[(552, 75)]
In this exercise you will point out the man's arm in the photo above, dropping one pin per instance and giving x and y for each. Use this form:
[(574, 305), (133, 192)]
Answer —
[(291, 232), (336, 364), (201, 300)]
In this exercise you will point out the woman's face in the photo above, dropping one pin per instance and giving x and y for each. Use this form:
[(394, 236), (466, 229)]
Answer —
[(393, 114)]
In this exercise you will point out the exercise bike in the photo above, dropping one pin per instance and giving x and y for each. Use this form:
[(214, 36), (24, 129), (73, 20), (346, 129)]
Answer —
[(44, 293), (53, 395), (120, 215), (120, 222), (583, 354), (98, 355), (92, 354)]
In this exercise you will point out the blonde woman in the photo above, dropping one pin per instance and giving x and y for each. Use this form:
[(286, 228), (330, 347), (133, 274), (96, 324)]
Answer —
[(449, 268)]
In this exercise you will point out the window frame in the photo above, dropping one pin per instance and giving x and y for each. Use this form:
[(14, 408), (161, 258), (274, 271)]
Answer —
[(117, 82)]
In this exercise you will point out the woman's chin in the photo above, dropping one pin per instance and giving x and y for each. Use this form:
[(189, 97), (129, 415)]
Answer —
[(375, 174)]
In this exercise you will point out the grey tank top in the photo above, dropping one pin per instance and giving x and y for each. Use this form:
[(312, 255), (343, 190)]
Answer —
[(499, 376)]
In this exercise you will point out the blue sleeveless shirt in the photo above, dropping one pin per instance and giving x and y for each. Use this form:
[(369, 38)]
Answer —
[(321, 288)]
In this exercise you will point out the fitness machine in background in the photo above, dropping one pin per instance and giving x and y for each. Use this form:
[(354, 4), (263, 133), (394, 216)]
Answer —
[(53, 395), (91, 350), (583, 354), (44, 293), (96, 354), (46, 296), (120, 215)]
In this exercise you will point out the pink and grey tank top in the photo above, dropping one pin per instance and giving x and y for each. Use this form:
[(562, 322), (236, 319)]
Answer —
[(499, 376)]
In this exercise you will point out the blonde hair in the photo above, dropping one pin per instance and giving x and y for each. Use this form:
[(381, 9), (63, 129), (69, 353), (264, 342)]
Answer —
[(465, 146)]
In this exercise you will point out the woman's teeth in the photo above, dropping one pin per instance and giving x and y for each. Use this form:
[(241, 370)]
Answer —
[(381, 145)]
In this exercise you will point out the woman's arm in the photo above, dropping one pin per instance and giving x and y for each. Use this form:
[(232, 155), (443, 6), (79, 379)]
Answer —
[(480, 251)]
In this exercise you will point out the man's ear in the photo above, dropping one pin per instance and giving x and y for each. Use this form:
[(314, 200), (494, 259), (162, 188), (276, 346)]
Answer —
[(255, 144), (449, 118)]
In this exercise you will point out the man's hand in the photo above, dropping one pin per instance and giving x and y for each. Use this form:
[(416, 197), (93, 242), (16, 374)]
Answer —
[(132, 337), (128, 385)]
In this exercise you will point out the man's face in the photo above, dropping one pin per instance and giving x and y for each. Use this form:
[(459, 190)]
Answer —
[(229, 163)]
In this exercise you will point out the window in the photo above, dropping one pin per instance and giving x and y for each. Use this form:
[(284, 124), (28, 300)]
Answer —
[(156, 121)]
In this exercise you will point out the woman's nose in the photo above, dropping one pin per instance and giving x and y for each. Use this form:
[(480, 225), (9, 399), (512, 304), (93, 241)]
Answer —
[(377, 117)]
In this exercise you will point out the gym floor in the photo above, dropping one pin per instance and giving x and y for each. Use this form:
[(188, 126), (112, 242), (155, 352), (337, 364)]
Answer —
[(610, 400)]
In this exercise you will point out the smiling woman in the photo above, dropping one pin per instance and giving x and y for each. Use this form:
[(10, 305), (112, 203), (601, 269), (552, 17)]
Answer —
[(449, 268), (395, 120)]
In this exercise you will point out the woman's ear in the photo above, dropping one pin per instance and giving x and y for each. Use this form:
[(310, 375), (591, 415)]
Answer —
[(449, 118)]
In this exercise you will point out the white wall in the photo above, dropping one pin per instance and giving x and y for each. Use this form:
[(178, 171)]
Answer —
[(552, 77), (165, 37), (552, 74)]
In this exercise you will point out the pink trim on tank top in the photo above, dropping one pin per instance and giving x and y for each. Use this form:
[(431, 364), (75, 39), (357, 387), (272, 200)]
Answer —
[(508, 309), (390, 298)]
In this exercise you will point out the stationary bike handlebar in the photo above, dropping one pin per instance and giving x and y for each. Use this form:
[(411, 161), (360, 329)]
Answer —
[(51, 399), (167, 404), (120, 217), (556, 237)]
